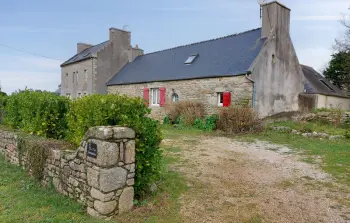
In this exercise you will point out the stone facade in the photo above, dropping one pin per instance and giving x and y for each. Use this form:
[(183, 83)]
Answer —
[(103, 183), (89, 76), (201, 90)]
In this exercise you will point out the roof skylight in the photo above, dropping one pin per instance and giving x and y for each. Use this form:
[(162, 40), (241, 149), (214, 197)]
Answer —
[(191, 59), (327, 85)]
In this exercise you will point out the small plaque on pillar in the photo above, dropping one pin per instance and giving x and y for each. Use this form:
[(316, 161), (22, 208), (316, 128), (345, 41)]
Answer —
[(92, 150)]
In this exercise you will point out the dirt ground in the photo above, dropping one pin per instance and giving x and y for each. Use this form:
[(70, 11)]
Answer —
[(232, 181)]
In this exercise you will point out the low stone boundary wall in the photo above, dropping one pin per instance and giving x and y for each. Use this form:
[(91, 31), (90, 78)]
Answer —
[(100, 173)]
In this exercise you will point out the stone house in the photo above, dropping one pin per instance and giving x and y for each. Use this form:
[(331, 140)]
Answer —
[(259, 67), (93, 65)]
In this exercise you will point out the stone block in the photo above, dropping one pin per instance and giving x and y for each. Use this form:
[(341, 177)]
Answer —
[(92, 212), (131, 175), (132, 168), (92, 177), (105, 208), (126, 200), (129, 154), (112, 179), (100, 132), (57, 184), (123, 133), (101, 196), (55, 154), (130, 182), (107, 154)]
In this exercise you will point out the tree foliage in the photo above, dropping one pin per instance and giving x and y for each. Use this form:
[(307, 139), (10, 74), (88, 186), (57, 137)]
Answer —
[(338, 70)]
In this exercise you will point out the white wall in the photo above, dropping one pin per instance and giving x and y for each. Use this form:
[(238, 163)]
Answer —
[(324, 101)]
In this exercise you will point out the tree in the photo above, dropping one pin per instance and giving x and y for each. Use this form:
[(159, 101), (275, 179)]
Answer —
[(338, 71)]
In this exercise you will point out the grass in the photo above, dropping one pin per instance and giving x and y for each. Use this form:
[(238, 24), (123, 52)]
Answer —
[(163, 206), (22, 199), (312, 127), (172, 132), (335, 155)]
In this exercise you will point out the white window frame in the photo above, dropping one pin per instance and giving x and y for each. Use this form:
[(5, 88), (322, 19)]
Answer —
[(69, 95), (219, 96), (155, 96), (175, 98)]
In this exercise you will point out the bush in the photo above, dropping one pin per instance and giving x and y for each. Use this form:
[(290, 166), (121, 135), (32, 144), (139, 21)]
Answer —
[(104, 110), (188, 110), (208, 125), (237, 119), (39, 113), (3, 99)]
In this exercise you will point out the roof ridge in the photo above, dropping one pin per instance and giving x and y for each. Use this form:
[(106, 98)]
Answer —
[(204, 41)]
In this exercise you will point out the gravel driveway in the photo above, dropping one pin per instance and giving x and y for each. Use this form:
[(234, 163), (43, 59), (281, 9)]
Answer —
[(232, 181)]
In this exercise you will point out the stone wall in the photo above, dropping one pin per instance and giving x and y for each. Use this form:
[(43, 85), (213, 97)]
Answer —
[(100, 173), (201, 90)]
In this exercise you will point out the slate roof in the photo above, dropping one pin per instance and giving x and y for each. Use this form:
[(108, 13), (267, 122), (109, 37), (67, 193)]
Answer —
[(226, 56), (85, 54), (314, 85)]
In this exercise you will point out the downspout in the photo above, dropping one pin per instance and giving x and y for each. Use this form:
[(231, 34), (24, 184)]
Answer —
[(254, 88)]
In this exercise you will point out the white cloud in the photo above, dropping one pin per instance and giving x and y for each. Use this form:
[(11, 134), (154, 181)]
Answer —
[(318, 58)]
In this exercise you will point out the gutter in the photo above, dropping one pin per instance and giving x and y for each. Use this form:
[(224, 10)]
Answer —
[(254, 88)]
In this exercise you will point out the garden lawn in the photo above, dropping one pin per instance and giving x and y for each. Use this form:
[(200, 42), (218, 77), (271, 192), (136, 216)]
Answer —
[(22, 199), (335, 154)]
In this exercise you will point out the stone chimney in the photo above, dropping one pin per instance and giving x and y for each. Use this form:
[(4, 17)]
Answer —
[(134, 52), (120, 37), (82, 46), (275, 18)]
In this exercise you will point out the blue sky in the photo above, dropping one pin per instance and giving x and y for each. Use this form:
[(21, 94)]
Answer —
[(52, 29)]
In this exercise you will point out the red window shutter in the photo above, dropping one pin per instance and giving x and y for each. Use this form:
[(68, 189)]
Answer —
[(162, 96), (226, 99), (146, 96)]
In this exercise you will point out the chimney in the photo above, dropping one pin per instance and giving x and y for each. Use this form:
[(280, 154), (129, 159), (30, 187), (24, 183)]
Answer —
[(119, 36), (134, 52), (275, 18), (82, 46)]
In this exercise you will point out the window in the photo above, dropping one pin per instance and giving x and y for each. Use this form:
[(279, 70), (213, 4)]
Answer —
[(73, 76), (155, 96), (85, 74), (77, 76), (191, 59), (85, 93), (220, 99), (79, 95), (327, 85), (68, 95), (175, 98)]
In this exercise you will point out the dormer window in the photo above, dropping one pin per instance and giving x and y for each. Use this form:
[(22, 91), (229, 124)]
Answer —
[(191, 59)]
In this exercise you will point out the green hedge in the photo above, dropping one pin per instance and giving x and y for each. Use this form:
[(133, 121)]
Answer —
[(52, 116), (102, 110), (39, 113)]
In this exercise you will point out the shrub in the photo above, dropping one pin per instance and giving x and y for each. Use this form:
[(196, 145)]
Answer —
[(188, 110), (237, 119), (3, 99), (39, 113), (103, 110), (208, 125)]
